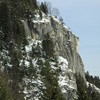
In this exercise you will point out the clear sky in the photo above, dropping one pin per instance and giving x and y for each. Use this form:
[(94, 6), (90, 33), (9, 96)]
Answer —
[(83, 18)]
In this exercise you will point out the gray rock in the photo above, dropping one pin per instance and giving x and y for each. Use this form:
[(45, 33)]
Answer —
[(65, 44)]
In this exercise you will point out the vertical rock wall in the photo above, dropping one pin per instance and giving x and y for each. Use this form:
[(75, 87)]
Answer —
[(66, 44)]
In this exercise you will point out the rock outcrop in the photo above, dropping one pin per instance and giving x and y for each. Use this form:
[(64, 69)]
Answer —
[(39, 56), (59, 41), (65, 43)]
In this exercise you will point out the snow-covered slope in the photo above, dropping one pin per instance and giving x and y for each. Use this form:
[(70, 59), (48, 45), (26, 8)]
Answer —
[(94, 88)]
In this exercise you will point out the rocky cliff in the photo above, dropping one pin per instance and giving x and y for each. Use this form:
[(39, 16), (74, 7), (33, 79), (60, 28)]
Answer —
[(49, 43), (59, 41), (39, 57), (64, 42)]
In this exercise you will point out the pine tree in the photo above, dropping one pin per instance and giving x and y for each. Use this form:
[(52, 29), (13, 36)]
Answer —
[(50, 80), (44, 7), (48, 46), (5, 90)]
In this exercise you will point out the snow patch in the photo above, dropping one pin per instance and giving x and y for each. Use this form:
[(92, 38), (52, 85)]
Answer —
[(64, 82), (32, 43), (27, 63), (56, 19), (4, 54), (53, 66), (38, 19), (43, 20), (32, 85), (32, 88), (93, 86), (63, 63)]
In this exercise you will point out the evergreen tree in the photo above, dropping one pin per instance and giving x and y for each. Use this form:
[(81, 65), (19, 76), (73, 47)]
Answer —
[(50, 80), (85, 92), (44, 7), (4, 17), (5, 90), (94, 80)]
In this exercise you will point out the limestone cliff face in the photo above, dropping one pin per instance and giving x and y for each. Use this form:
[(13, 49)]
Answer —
[(39, 55), (41, 58), (59, 41), (65, 43)]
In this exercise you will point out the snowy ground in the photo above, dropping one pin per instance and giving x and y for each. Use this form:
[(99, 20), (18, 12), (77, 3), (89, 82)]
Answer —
[(93, 86)]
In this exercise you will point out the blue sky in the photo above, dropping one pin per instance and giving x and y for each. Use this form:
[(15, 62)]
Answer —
[(83, 17)]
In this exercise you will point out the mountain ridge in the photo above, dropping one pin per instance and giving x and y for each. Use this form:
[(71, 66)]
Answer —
[(39, 55)]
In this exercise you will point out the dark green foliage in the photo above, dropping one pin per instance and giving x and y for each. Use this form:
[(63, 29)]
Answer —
[(1, 39), (12, 28), (11, 10), (34, 4), (15, 75), (84, 92), (48, 46), (44, 7), (81, 86), (4, 17), (29, 72), (36, 51), (94, 80), (21, 8), (5, 91), (19, 33), (40, 13), (50, 80)]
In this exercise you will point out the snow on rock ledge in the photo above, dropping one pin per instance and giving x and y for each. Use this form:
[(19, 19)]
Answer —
[(66, 82), (93, 86)]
